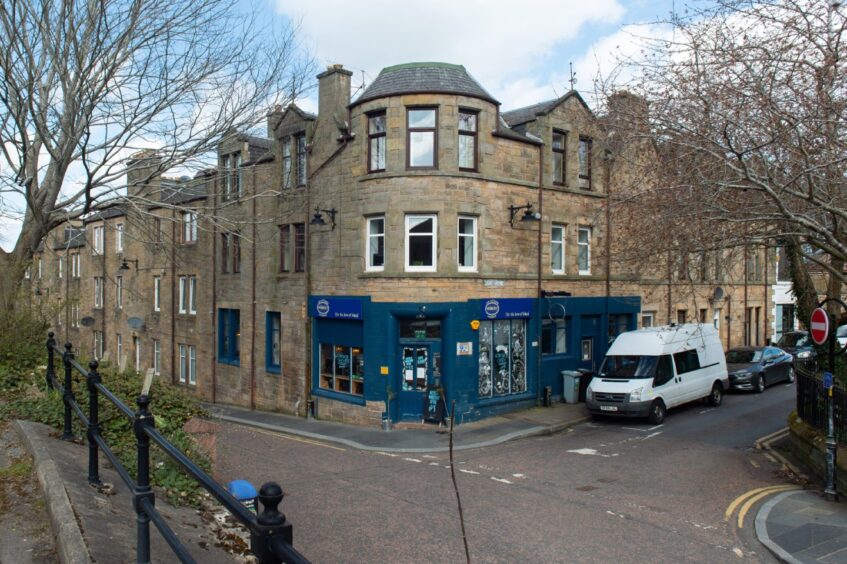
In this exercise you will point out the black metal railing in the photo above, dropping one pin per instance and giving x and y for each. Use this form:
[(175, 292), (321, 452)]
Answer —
[(271, 535), (811, 403)]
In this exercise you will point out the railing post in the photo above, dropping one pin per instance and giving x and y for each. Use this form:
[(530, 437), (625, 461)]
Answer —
[(272, 524), (143, 419), (68, 395), (93, 378), (51, 370)]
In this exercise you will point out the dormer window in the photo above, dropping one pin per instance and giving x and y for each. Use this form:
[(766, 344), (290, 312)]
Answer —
[(231, 176), (585, 162), (467, 140), (376, 142), (421, 145)]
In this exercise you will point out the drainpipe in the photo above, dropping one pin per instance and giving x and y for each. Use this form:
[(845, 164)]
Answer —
[(538, 268), (307, 283), (214, 319), (253, 300), (607, 158), (670, 283), (765, 305), (174, 233), (747, 331)]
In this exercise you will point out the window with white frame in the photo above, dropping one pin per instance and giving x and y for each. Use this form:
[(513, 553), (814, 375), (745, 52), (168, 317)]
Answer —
[(98, 345), (376, 243), (187, 291), (28, 273), (120, 344), (648, 319), (75, 265), (157, 357), (557, 248), (183, 363), (61, 266), (97, 240), (584, 250), (157, 293), (467, 244), (75, 314), (467, 139), (98, 292), (119, 291), (188, 364), (189, 227), (421, 142), (39, 268), (421, 243), (287, 180), (119, 237)]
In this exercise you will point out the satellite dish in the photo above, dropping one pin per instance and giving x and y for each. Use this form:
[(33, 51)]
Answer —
[(135, 323), (87, 321), (718, 293)]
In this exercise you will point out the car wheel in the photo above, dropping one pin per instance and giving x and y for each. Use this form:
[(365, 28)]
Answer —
[(657, 412), (760, 383), (791, 374), (716, 396)]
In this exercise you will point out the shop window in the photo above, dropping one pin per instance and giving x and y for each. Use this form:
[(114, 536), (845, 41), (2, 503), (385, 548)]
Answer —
[(376, 243), (376, 142), (502, 357), (554, 336), (342, 369), (421, 141), (273, 342), (421, 243), (229, 336)]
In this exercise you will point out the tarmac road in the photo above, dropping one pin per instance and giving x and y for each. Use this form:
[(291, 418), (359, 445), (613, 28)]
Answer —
[(613, 490)]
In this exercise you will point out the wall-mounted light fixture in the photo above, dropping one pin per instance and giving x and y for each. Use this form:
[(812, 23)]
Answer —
[(319, 220), (125, 266), (528, 214)]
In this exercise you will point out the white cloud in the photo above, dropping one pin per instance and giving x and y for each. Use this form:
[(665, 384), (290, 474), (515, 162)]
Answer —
[(501, 43)]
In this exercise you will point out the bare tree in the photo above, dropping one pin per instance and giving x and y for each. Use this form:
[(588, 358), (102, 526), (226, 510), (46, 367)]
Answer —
[(87, 84), (747, 114)]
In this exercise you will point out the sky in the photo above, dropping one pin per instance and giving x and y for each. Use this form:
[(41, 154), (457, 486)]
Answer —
[(521, 51)]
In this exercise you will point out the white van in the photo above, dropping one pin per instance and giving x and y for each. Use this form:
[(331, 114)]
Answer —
[(649, 371)]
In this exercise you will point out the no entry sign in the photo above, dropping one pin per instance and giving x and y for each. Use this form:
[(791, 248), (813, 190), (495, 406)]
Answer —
[(819, 326)]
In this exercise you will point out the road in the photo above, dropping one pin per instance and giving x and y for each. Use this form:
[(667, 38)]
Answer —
[(612, 490)]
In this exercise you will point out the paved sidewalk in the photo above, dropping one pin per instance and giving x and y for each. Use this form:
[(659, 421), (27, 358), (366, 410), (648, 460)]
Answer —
[(801, 526), (488, 432)]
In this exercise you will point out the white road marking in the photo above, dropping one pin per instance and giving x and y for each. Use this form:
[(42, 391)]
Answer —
[(428, 456), (412, 460), (704, 527), (650, 436), (518, 476), (738, 552), (615, 514), (634, 429), (501, 480), (434, 464), (590, 452), (707, 410), (391, 454), (654, 428), (468, 471), (754, 464)]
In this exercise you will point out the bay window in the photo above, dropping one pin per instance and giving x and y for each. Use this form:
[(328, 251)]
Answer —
[(557, 249), (467, 140), (421, 145), (467, 244), (376, 142), (376, 243), (421, 243)]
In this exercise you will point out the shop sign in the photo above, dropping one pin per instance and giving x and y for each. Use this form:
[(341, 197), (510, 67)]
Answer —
[(337, 308), (464, 349), (507, 308)]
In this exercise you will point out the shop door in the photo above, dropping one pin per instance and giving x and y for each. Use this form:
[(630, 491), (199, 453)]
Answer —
[(419, 365)]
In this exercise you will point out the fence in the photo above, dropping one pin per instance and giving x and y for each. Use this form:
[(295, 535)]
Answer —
[(271, 535), (811, 403)]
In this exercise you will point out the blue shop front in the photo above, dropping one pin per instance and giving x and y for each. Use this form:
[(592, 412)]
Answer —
[(489, 355)]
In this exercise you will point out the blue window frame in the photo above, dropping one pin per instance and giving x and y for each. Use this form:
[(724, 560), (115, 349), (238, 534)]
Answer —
[(229, 335), (273, 342)]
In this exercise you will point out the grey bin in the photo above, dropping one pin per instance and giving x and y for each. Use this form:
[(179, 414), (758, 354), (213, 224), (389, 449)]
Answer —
[(570, 386)]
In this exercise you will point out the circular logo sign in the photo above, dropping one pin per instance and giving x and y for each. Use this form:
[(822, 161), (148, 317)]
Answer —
[(819, 326), (323, 307), (492, 308)]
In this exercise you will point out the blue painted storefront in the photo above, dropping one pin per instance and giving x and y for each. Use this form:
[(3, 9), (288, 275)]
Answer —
[(402, 350)]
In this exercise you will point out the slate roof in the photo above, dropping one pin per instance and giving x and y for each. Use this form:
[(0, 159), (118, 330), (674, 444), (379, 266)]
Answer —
[(179, 192), (410, 78), (529, 113), (107, 213)]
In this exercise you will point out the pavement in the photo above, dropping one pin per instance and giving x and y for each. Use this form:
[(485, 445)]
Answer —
[(796, 526)]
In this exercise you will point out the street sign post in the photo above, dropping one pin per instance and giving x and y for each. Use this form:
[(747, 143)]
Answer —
[(819, 326)]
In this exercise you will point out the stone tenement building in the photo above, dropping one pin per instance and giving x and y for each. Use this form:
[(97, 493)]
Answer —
[(355, 261)]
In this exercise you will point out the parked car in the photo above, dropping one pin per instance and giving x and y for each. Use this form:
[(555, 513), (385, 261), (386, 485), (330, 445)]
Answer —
[(841, 335), (754, 368), (799, 345), (648, 371)]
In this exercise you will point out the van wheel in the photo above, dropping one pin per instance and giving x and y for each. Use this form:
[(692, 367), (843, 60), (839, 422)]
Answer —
[(716, 395), (760, 384), (657, 413), (790, 374)]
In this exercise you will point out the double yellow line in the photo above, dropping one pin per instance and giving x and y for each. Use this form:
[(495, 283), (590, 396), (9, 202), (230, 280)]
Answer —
[(748, 499)]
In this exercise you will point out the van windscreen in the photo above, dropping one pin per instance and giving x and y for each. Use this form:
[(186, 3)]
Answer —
[(629, 366)]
